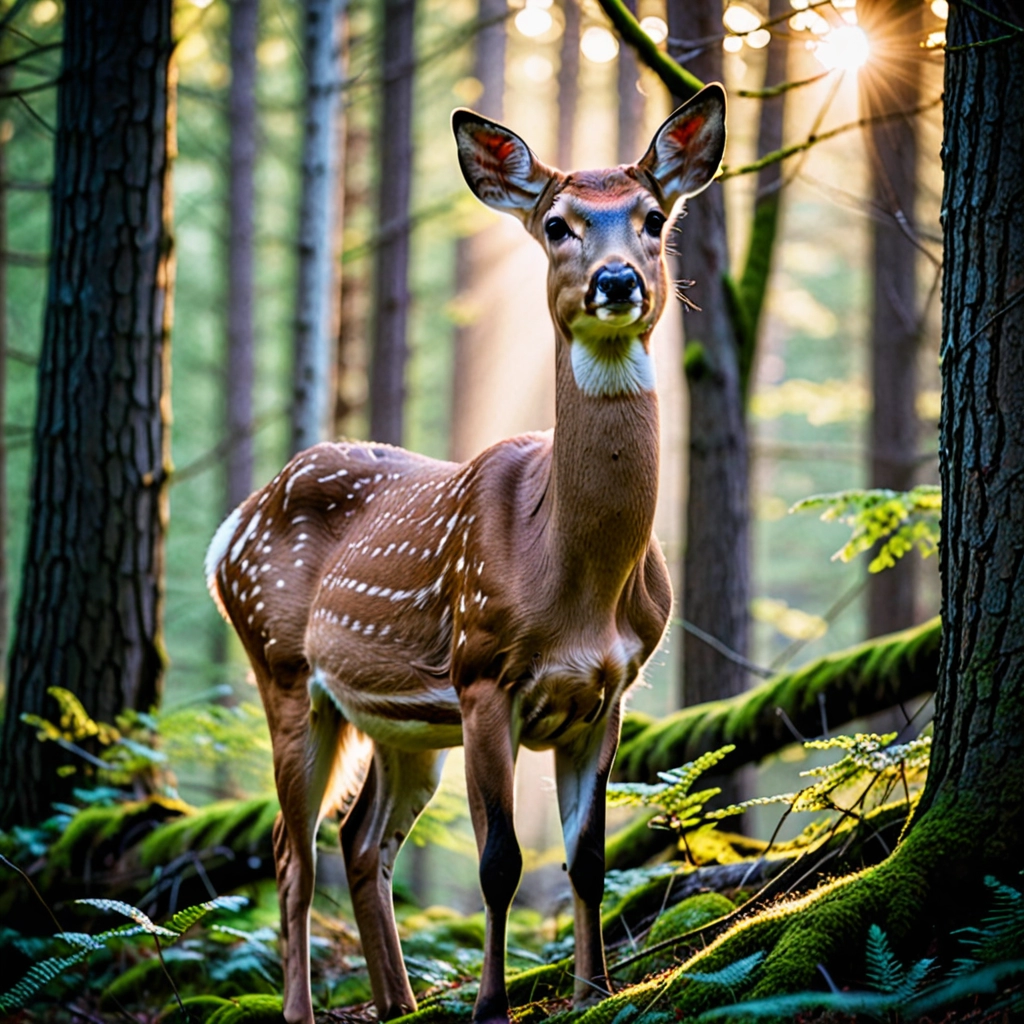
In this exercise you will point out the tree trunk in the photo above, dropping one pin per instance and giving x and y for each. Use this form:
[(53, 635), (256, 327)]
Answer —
[(6, 75), (568, 83), (631, 101), (242, 128), (89, 618), (354, 303), (394, 181), (890, 83), (753, 283), (314, 354), (976, 781), (476, 251), (716, 571)]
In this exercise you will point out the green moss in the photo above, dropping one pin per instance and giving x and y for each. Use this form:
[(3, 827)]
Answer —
[(695, 360), (691, 913), (238, 824), (860, 680), (198, 1010), (249, 1010), (92, 828)]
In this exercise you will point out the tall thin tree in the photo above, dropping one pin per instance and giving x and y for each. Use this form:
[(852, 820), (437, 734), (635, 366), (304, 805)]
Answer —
[(716, 570), (242, 134), (314, 350), (89, 617), (568, 82), (394, 184), (631, 101), (474, 252), (889, 84)]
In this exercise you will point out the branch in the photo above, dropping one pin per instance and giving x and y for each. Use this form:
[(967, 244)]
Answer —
[(783, 87), (859, 681), (677, 79), (813, 140)]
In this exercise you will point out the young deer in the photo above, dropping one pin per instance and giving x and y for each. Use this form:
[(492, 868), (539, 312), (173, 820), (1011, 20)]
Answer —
[(393, 606)]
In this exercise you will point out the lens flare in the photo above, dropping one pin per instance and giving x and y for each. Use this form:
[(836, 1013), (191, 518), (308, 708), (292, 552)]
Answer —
[(598, 45), (845, 48)]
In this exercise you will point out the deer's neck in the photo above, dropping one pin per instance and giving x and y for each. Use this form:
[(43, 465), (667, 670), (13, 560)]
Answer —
[(604, 480)]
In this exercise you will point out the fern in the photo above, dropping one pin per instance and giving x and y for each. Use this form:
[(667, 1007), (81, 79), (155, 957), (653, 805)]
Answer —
[(886, 974), (1000, 936), (731, 976), (42, 974), (681, 809), (897, 521)]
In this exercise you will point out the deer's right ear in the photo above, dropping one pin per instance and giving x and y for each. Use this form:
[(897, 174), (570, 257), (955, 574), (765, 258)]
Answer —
[(498, 166)]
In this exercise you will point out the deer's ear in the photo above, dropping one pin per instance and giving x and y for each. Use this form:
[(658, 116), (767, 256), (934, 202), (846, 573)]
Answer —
[(687, 149), (498, 166)]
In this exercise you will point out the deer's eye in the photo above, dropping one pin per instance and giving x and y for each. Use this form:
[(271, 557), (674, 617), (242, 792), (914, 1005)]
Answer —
[(556, 229), (654, 223)]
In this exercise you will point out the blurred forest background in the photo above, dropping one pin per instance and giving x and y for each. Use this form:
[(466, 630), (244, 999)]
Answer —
[(333, 277)]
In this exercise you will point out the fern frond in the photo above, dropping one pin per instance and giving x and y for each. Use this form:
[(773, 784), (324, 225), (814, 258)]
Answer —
[(732, 975), (184, 919), (127, 910), (883, 971), (38, 977)]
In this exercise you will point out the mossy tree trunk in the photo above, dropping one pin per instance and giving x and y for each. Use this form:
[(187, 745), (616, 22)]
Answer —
[(716, 566), (977, 771), (89, 617)]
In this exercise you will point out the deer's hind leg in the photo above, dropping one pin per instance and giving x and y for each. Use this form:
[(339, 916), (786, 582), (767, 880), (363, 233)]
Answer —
[(320, 761), (398, 786)]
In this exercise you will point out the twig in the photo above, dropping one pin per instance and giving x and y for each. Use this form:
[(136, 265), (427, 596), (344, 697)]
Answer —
[(32, 886), (814, 139), (174, 988), (676, 78), (782, 87), (727, 652)]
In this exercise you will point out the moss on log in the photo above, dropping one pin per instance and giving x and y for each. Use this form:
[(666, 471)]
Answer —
[(859, 681)]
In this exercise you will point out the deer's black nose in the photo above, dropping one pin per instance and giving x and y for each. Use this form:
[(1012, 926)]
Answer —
[(619, 283)]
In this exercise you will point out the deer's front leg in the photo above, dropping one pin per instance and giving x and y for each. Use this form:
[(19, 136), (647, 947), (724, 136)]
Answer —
[(581, 771), (489, 736)]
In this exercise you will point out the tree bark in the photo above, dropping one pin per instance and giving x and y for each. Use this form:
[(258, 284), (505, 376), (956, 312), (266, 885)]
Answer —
[(476, 251), (394, 181), (6, 76), (242, 129), (314, 354), (89, 618), (890, 83), (716, 571), (977, 769), (631, 101)]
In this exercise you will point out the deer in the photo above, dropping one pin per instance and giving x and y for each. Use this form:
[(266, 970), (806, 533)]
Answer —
[(394, 606)]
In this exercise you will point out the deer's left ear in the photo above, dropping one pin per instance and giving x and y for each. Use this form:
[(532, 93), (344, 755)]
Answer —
[(498, 166), (687, 149)]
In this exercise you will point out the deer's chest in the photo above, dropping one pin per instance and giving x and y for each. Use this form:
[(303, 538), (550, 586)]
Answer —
[(574, 685)]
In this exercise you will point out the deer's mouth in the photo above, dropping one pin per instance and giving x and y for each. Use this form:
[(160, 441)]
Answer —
[(616, 296)]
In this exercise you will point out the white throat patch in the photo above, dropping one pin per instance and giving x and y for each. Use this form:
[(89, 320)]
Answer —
[(606, 371)]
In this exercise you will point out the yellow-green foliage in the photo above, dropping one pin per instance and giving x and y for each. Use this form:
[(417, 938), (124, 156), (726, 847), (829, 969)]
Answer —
[(240, 825)]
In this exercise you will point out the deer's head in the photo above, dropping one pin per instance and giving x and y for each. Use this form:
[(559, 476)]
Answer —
[(604, 231)]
